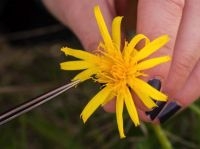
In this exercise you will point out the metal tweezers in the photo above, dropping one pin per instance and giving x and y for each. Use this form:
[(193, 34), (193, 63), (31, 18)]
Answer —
[(35, 102)]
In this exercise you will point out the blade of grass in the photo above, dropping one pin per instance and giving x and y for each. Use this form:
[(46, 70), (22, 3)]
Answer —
[(164, 141), (195, 108)]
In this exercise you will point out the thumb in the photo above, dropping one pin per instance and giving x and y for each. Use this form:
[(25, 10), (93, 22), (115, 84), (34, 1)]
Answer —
[(79, 17)]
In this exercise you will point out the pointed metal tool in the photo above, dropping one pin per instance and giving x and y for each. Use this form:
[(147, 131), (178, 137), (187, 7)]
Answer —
[(35, 102)]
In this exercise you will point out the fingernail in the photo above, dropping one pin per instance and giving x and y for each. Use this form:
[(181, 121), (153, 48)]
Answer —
[(156, 83), (152, 114), (168, 111)]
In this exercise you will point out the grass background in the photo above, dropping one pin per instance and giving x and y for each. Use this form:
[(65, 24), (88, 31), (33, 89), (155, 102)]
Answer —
[(29, 66)]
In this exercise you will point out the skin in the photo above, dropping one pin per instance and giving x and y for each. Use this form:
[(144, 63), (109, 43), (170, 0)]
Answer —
[(180, 19)]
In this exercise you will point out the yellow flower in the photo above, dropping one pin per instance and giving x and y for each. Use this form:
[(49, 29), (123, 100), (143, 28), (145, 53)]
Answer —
[(119, 70)]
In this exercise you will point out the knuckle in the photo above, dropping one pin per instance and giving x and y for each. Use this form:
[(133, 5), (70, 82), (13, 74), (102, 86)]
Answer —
[(182, 67), (185, 99), (184, 63), (178, 3)]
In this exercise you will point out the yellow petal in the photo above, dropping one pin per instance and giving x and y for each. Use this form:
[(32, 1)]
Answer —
[(131, 108), (116, 32), (148, 102), (134, 41), (80, 54), (102, 26), (86, 74), (140, 85), (94, 103), (75, 65), (152, 47), (109, 98), (147, 64), (119, 114)]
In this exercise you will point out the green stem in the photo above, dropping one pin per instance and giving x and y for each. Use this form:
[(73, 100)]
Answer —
[(164, 141), (195, 108)]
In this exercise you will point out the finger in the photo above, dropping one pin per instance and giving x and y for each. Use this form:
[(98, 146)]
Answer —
[(79, 17), (187, 95), (187, 51), (156, 18), (110, 106), (191, 91)]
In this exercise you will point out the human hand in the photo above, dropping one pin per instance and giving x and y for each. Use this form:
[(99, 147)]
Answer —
[(180, 20), (177, 18)]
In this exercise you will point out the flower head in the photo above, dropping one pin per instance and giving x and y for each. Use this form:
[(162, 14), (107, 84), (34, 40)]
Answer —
[(119, 70)]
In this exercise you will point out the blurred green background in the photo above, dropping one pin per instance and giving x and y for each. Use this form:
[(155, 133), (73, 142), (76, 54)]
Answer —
[(30, 42)]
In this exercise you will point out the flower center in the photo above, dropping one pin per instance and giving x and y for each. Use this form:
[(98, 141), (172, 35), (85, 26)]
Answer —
[(115, 70), (118, 72)]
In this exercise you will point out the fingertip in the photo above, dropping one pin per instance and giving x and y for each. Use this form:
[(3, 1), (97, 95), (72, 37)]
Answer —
[(146, 118), (110, 106)]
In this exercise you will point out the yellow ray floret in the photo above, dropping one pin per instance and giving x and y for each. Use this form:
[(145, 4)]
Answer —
[(95, 102), (76, 65), (80, 54), (119, 113), (118, 69), (102, 26), (116, 35)]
